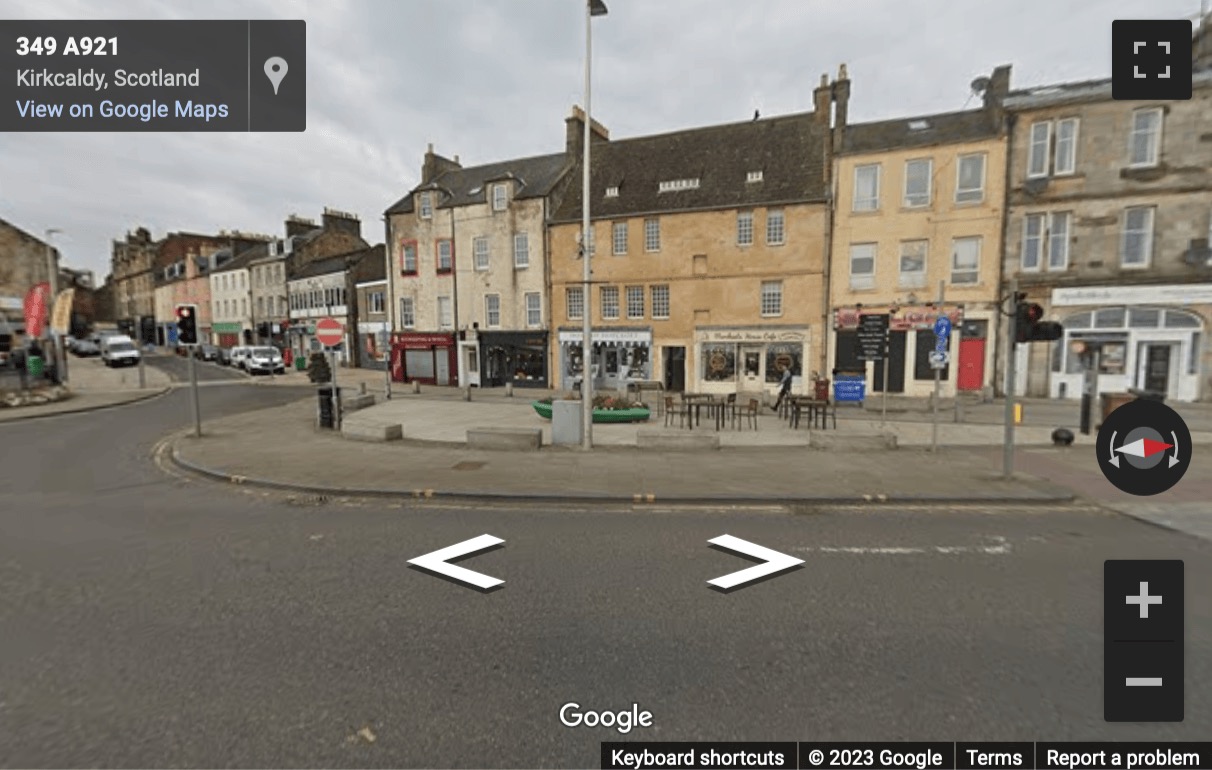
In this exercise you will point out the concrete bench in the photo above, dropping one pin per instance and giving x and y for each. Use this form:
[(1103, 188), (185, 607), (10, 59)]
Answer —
[(505, 438), (358, 401), (371, 431), (843, 442), (677, 441)]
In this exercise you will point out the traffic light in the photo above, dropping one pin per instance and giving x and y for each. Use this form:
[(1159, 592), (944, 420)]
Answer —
[(1029, 328), (187, 324)]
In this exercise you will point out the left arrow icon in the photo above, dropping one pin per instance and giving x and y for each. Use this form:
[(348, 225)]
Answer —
[(438, 562), (775, 562)]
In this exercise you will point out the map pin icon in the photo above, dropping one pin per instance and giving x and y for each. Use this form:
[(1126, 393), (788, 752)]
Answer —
[(275, 70)]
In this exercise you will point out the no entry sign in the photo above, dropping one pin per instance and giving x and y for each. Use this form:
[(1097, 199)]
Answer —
[(329, 332)]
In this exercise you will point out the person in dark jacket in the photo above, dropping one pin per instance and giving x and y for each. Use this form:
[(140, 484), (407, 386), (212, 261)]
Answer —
[(784, 387)]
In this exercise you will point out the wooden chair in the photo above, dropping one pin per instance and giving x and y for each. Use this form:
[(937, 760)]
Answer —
[(824, 410), (681, 411), (751, 413)]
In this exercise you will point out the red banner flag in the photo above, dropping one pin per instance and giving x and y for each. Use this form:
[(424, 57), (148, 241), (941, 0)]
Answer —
[(37, 299)]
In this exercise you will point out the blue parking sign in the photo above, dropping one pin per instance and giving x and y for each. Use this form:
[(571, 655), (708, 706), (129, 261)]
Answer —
[(942, 327)]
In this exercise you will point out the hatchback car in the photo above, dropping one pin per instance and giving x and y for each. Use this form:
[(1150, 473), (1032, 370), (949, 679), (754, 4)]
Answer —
[(207, 353), (264, 359)]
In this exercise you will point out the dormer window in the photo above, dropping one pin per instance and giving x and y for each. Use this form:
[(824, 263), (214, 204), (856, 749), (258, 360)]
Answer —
[(426, 206), (678, 184), (612, 192), (499, 198), (753, 176)]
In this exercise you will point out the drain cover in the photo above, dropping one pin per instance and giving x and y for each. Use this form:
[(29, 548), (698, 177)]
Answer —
[(468, 465)]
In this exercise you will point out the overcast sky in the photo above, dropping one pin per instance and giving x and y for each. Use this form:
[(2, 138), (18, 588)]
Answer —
[(490, 80)]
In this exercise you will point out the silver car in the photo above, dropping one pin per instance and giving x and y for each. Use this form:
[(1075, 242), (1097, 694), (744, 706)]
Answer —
[(264, 359)]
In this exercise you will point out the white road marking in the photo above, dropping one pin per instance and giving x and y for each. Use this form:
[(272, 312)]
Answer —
[(1000, 548)]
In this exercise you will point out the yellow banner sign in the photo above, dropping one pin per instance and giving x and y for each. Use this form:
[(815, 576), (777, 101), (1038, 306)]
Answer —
[(61, 316)]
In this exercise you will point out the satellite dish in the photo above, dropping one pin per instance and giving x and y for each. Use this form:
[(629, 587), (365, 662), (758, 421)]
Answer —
[(980, 85)]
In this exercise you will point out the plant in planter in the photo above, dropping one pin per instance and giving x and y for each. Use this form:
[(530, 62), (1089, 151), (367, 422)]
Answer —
[(318, 369), (605, 409)]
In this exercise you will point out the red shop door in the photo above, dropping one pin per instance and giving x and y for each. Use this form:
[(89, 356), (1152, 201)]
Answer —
[(971, 364)]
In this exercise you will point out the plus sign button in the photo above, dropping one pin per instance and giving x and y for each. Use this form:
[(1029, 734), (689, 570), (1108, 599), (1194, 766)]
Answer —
[(1151, 59)]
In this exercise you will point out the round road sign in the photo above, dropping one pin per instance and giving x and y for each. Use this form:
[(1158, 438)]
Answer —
[(330, 332)]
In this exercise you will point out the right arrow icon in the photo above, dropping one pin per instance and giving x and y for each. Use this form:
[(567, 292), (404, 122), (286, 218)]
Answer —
[(775, 562)]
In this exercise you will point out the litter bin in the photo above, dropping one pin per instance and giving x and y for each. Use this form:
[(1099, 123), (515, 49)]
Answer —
[(820, 390), (35, 365), (300, 364), (326, 404), (1113, 401)]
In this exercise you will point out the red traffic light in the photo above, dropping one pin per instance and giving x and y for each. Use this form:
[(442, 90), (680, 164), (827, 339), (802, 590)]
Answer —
[(1034, 313), (184, 311)]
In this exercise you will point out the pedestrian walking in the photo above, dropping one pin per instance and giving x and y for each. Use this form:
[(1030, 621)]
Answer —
[(784, 388)]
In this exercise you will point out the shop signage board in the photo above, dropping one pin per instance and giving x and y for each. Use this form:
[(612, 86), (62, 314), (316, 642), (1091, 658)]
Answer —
[(849, 389), (907, 318), (872, 337)]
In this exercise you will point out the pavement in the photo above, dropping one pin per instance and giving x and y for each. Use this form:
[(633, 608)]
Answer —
[(153, 619), (93, 386)]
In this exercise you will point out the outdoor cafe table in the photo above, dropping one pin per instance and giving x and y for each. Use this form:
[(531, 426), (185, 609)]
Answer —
[(809, 403), (696, 402)]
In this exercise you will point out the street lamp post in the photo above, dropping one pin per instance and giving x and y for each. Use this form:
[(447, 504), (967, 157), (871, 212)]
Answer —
[(592, 8)]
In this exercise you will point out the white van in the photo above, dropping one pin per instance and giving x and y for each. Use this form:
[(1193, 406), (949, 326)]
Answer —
[(119, 350), (238, 354)]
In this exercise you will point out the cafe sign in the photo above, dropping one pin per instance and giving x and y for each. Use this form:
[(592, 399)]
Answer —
[(753, 335), (609, 336), (904, 319)]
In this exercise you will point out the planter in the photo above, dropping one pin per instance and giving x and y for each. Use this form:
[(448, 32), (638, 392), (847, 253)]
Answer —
[(601, 415)]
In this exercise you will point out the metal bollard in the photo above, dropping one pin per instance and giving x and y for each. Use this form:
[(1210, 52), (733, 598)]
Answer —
[(509, 390), (416, 387), (362, 389), (467, 393)]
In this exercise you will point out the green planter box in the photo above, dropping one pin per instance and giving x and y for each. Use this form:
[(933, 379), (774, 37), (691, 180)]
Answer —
[(601, 415)]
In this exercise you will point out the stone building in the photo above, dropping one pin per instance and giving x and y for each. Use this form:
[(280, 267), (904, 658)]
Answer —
[(23, 265), (1108, 228), (710, 271), (369, 278), (132, 276), (919, 202), (471, 270)]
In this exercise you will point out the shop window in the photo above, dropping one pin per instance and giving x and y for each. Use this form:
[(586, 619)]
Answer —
[(783, 355), (419, 364), (1114, 355), (1194, 350), (612, 362), (719, 363)]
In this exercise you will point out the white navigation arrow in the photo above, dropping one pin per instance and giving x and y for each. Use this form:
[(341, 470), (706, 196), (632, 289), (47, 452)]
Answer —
[(438, 562), (1174, 457), (1114, 457), (775, 562)]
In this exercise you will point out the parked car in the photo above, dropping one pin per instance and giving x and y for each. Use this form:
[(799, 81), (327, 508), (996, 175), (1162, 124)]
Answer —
[(119, 350), (207, 353), (86, 349), (264, 359), (238, 354), (223, 356)]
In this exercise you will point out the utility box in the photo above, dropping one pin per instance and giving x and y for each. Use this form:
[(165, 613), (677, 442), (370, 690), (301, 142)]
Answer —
[(566, 428)]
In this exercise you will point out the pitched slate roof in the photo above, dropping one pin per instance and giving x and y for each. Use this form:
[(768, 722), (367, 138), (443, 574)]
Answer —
[(921, 131), (242, 260), (372, 266), (1079, 92), (788, 150), (535, 176), (338, 264)]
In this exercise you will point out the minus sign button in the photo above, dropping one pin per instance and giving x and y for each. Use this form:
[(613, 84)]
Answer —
[(1144, 681)]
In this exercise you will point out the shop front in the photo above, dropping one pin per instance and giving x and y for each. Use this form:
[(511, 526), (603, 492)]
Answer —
[(427, 358), (749, 359), (1133, 337), (227, 334), (911, 340), (515, 358), (619, 356)]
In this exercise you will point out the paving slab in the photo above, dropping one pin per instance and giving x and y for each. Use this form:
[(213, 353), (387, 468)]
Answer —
[(306, 458)]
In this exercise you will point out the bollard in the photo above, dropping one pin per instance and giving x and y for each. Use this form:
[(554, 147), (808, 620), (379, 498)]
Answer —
[(467, 393), (509, 390), (362, 389), (416, 387), (959, 409)]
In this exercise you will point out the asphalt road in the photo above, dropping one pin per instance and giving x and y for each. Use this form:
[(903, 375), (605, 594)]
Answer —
[(151, 621), (178, 368)]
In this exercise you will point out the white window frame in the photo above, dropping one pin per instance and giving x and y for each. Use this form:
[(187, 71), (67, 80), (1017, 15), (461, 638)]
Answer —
[(869, 204), (976, 271), (661, 290), (500, 197), (980, 189), (634, 293), (778, 216), (449, 266), (534, 310), (744, 224), (1071, 168), (479, 248), (1053, 238), (492, 307), (521, 250), (652, 235), (1148, 241), (1044, 145), (618, 244), (376, 301), (1040, 238), (864, 280), (577, 293), (445, 312), (909, 204), (404, 249), (1157, 138), (913, 279), (408, 313), (609, 303), (426, 207), (770, 300)]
